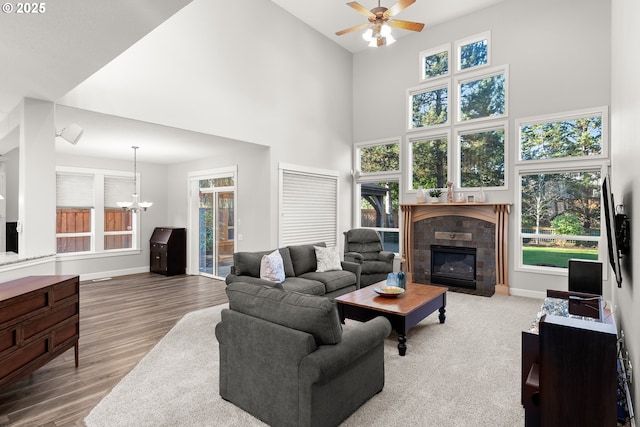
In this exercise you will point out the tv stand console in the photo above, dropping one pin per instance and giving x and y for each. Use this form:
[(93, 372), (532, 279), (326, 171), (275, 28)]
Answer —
[(569, 371), (39, 320)]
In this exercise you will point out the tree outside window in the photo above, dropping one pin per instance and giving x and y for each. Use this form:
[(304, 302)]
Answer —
[(429, 107), (378, 187), (474, 54), (429, 162), (560, 217), (482, 98), (580, 137), (482, 156), (379, 208)]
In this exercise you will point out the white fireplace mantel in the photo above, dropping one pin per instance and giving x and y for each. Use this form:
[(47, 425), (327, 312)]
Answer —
[(495, 213)]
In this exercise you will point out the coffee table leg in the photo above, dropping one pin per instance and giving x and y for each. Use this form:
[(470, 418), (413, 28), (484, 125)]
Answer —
[(442, 316), (402, 346)]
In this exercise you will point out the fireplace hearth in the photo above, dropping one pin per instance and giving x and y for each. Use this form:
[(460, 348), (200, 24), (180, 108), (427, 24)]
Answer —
[(453, 266)]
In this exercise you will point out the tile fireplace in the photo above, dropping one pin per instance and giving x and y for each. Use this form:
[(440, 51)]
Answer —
[(477, 227)]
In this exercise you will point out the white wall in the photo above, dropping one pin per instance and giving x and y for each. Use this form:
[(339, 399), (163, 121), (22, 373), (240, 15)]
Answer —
[(625, 174), (558, 53), (271, 81), (253, 197)]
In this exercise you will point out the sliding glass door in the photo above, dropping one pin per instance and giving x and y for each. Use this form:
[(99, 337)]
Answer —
[(213, 224)]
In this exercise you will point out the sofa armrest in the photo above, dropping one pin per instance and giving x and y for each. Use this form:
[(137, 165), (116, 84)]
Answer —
[(353, 257), (357, 340), (386, 256), (354, 268)]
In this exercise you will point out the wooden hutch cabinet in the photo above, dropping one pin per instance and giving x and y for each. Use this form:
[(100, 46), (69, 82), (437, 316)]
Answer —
[(168, 254)]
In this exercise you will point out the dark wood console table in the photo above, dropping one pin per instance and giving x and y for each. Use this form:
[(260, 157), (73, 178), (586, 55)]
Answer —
[(569, 370), (39, 320)]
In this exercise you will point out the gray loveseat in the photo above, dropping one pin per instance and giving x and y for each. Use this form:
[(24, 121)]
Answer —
[(286, 359), (300, 272)]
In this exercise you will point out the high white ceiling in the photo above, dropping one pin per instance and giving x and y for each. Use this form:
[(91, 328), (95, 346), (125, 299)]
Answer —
[(46, 55), (329, 16)]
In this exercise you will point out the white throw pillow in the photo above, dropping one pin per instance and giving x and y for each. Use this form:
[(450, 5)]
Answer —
[(272, 267), (328, 259)]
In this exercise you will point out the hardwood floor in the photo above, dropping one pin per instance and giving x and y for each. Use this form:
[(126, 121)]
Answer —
[(121, 319)]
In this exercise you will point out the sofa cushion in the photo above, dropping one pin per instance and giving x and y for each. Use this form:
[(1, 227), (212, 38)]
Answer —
[(248, 263), (331, 280), (304, 258), (327, 259), (305, 286), (271, 267), (314, 315)]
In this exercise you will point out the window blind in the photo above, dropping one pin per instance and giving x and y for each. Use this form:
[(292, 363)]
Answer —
[(74, 190), (309, 208), (117, 189)]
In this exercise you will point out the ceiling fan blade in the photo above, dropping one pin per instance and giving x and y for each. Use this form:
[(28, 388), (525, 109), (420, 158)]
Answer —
[(406, 25), (360, 8), (356, 28), (398, 7)]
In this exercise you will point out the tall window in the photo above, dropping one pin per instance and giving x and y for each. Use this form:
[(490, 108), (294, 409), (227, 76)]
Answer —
[(560, 174), (429, 160), (74, 212), (377, 185), (482, 157), (472, 106), (87, 217), (118, 224)]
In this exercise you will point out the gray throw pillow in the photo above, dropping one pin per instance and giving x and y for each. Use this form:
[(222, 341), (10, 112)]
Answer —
[(312, 314)]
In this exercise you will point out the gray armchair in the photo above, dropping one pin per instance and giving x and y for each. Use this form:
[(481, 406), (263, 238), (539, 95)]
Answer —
[(364, 246), (285, 358)]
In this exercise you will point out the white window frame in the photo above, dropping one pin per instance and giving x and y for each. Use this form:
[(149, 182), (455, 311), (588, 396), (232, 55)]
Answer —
[(459, 44), (568, 167), (481, 74), (374, 177), (432, 134), (456, 162), (97, 225), (432, 52), (428, 87), (603, 111)]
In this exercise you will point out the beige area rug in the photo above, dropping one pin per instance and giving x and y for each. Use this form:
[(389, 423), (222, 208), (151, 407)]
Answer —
[(465, 372)]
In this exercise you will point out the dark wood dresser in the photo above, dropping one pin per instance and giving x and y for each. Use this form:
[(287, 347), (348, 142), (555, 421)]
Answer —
[(168, 251), (39, 320)]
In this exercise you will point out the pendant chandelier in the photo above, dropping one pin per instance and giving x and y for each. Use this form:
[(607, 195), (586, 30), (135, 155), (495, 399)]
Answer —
[(135, 205)]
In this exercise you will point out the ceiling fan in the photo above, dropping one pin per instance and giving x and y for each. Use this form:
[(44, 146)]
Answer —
[(380, 22)]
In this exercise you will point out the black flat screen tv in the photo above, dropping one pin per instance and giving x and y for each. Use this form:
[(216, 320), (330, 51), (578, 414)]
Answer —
[(610, 218)]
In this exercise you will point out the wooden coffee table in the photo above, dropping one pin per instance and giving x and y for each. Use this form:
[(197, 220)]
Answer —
[(404, 311)]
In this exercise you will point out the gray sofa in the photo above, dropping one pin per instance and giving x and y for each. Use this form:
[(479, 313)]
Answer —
[(286, 359), (300, 272)]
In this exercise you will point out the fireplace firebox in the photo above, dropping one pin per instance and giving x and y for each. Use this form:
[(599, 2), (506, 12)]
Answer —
[(453, 266)]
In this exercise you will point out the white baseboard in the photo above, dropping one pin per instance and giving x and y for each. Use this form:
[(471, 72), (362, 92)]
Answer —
[(114, 273), (527, 293)]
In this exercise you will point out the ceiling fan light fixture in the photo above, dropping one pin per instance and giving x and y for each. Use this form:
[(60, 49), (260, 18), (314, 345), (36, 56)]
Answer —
[(385, 30), (368, 35), (373, 42), (390, 40)]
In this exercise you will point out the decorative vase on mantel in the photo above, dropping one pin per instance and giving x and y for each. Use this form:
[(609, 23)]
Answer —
[(420, 195)]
